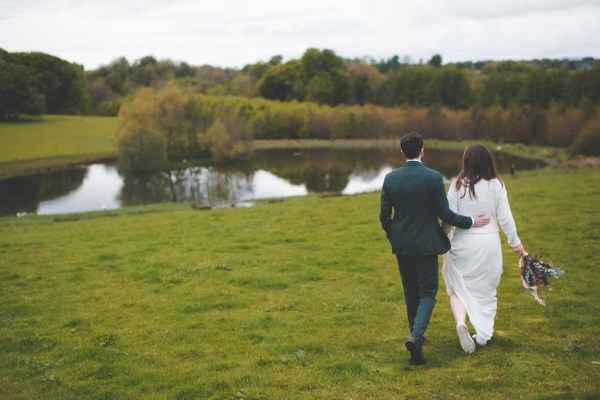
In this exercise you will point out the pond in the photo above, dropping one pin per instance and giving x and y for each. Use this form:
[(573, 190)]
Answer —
[(267, 174)]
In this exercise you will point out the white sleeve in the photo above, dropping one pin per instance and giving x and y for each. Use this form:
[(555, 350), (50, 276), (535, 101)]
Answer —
[(453, 204), (505, 218)]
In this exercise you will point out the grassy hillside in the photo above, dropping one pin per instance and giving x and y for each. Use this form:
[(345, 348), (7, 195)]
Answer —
[(298, 299), (54, 140)]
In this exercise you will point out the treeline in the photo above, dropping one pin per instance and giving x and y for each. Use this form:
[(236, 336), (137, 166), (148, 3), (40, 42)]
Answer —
[(323, 77), (322, 95), (33, 83), (157, 126), (38, 83)]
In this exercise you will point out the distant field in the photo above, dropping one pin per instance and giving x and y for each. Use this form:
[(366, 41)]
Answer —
[(298, 299), (53, 141), (56, 136)]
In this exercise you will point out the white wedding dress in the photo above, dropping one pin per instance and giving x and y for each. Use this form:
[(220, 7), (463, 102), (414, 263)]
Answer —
[(473, 266)]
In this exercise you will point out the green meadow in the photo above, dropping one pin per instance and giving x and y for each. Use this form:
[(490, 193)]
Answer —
[(293, 299), (53, 141), (297, 299)]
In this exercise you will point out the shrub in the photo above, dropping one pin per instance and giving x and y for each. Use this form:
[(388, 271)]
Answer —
[(220, 144), (139, 141), (143, 149), (588, 140), (110, 107)]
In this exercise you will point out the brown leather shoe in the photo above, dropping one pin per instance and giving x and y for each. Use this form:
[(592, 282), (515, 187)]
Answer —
[(415, 347)]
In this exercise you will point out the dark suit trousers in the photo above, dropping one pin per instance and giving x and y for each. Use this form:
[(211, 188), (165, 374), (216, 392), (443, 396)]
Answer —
[(420, 281)]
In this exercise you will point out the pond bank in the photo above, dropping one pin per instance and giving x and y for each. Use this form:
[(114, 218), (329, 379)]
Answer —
[(267, 173), (14, 169), (553, 157)]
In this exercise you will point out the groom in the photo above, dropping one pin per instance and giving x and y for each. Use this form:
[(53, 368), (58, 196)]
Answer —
[(417, 196)]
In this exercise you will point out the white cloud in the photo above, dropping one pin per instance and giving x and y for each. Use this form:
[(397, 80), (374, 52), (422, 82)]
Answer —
[(231, 33)]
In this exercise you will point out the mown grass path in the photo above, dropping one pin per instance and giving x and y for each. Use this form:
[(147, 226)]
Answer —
[(299, 299)]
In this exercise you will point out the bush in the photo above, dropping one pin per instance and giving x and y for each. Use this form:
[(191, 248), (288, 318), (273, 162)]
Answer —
[(140, 143), (143, 150), (110, 107), (588, 140), (220, 144)]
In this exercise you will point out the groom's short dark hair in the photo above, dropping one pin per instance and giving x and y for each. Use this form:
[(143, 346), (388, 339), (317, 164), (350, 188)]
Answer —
[(411, 145)]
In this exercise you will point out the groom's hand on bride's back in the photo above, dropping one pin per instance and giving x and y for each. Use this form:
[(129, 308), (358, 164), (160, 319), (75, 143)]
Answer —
[(481, 220)]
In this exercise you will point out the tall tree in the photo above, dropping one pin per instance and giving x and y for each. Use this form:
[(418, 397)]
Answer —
[(323, 78), (280, 81), (411, 85), (504, 83), (436, 61), (145, 71), (451, 88), (18, 94), (257, 70), (138, 138), (62, 84), (171, 109), (367, 83)]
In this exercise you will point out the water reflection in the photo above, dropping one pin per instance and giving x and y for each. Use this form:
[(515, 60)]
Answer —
[(210, 186), (23, 195), (204, 185), (268, 174), (366, 182), (98, 191), (267, 185)]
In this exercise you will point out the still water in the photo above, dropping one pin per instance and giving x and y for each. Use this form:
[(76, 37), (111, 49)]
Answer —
[(268, 174)]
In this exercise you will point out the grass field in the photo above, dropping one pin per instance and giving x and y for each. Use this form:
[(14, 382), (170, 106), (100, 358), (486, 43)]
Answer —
[(299, 299), (54, 140)]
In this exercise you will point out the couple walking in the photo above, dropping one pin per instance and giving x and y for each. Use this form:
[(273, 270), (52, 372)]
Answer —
[(412, 199)]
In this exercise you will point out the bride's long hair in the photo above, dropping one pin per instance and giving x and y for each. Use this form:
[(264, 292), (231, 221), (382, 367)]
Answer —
[(477, 164)]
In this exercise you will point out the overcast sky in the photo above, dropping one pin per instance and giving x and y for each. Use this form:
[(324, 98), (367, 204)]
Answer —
[(233, 33)]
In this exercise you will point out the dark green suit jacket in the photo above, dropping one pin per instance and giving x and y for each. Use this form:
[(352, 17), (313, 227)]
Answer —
[(417, 196)]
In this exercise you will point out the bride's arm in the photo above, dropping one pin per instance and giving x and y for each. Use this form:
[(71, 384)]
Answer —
[(507, 222)]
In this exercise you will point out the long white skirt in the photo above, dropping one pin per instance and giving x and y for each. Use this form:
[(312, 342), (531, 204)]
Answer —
[(472, 270)]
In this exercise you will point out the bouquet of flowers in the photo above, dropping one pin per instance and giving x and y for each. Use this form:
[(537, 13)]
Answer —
[(535, 273)]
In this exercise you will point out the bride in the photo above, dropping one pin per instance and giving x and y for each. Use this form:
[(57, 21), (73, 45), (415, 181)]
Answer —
[(473, 266)]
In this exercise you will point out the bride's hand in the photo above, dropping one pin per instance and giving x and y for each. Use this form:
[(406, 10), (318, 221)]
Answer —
[(520, 250)]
